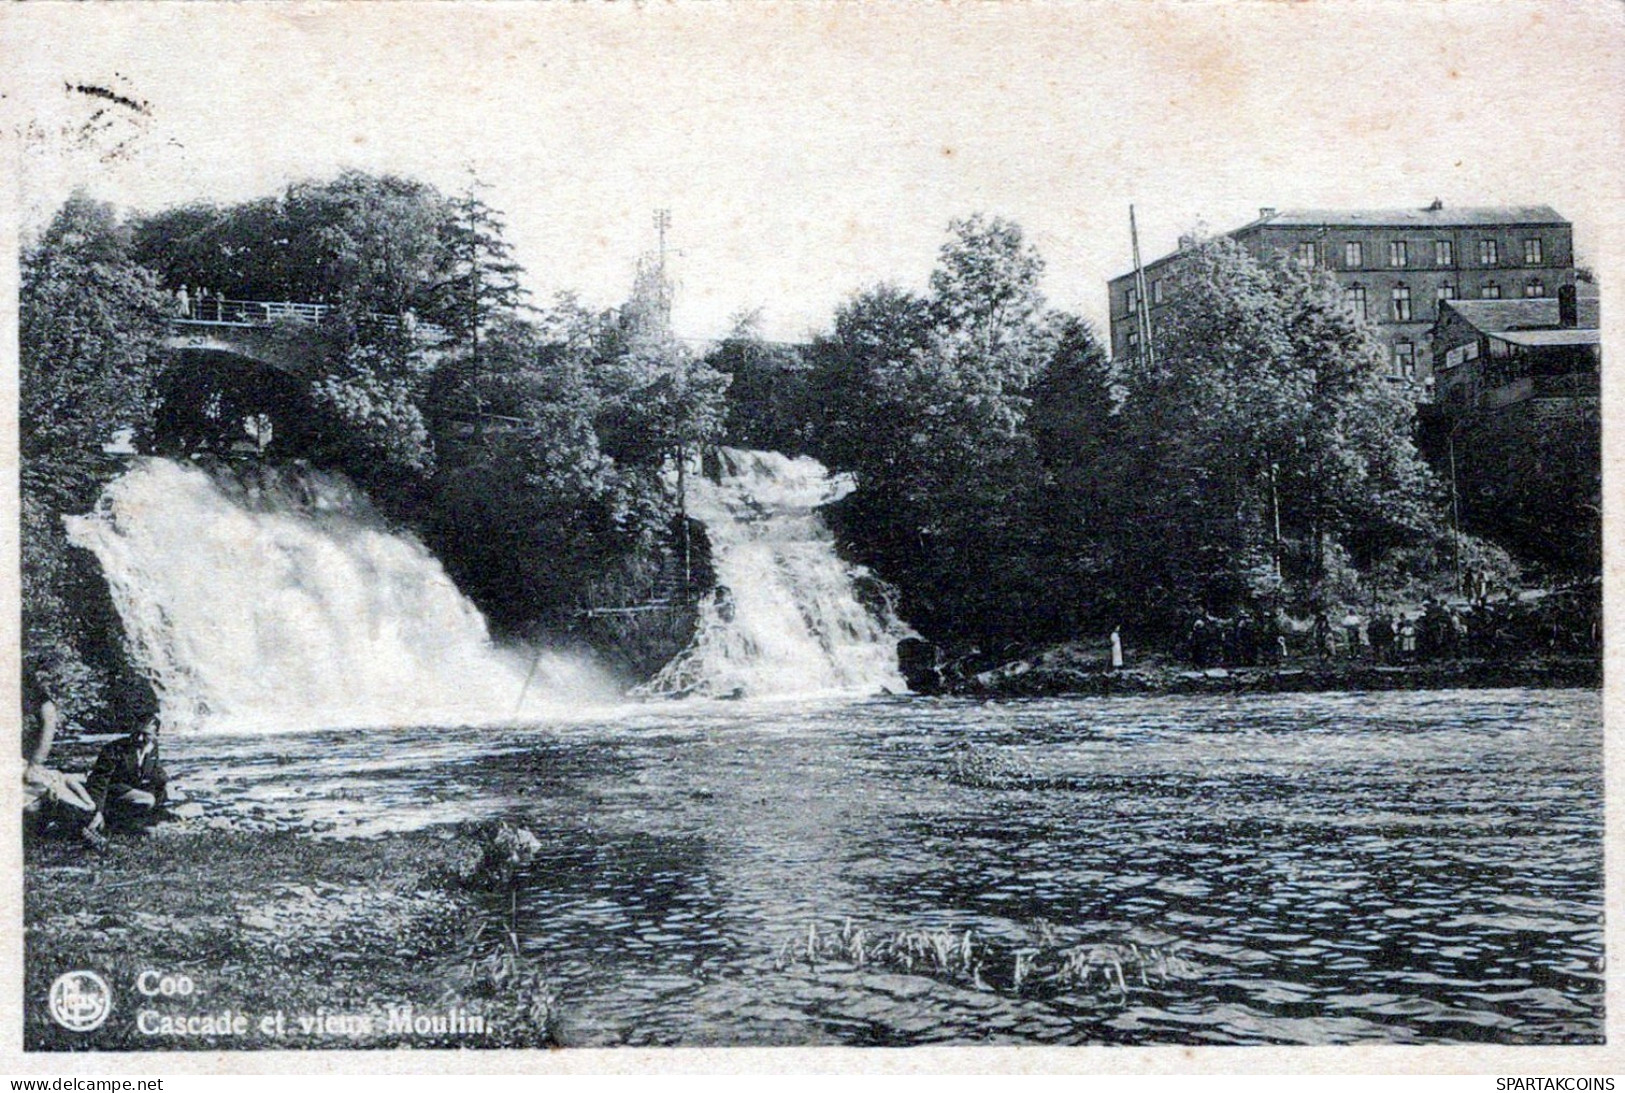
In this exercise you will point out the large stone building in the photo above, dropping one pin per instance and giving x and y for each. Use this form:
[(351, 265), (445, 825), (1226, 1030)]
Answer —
[(1396, 266)]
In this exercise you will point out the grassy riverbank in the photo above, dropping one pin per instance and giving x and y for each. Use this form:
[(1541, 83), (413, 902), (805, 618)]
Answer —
[(386, 942)]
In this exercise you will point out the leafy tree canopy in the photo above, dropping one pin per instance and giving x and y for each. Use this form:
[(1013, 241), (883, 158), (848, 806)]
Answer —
[(1267, 399), (89, 325)]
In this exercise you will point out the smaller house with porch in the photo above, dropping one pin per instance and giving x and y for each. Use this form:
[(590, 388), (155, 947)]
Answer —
[(1491, 354)]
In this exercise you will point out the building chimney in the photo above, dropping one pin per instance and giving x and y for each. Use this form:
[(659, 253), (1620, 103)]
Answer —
[(1266, 212), (1568, 308), (1436, 206)]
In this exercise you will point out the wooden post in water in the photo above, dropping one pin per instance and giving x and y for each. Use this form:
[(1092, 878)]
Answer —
[(682, 516)]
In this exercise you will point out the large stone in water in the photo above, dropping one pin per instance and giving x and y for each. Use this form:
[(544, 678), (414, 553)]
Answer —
[(918, 660)]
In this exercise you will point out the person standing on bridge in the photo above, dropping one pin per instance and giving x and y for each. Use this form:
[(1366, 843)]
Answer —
[(183, 303)]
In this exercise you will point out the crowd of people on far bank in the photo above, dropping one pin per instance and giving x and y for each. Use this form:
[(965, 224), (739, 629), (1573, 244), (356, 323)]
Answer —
[(1561, 623), (125, 790)]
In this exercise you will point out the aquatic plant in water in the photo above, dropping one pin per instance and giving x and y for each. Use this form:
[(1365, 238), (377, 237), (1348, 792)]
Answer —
[(1054, 962), (496, 970)]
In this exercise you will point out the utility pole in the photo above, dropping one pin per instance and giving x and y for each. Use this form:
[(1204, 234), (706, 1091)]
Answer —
[(1142, 310), (1455, 503), (662, 221), (1275, 516), (662, 224)]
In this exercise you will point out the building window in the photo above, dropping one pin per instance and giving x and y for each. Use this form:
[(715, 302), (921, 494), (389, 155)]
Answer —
[(1398, 253), (1306, 254), (1353, 255), (1133, 300), (1405, 360), (1402, 304), (1447, 291), (1444, 252), (1156, 291), (1357, 303), (1534, 289), (1133, 341), (1488, 253), (1491, 291), (1531, 252)]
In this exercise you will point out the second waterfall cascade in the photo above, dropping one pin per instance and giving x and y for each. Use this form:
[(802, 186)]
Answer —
[(790, 617)]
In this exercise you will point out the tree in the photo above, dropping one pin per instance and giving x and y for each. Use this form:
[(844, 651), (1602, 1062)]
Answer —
[(371, 244), (1268, 402), (526, 507), (769, 398), (985, 289), (89, 340), (1077, 432), (370, 392), (483, 286), (659, 402), (926, 401)]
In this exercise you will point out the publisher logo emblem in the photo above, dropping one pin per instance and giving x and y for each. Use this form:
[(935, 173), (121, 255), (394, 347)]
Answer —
[(80, 1001)]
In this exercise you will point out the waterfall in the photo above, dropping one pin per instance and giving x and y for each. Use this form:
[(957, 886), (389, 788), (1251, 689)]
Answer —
[(787, 617), (280, 602)]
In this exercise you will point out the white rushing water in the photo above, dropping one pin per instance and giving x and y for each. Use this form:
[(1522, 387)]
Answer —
[(282, 604), (788, 618)]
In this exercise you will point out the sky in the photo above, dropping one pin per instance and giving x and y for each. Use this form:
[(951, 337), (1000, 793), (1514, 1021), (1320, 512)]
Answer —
[(809, 151)]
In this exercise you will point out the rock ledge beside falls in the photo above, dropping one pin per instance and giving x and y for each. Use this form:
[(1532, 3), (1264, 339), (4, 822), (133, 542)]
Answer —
[(1053, 675)]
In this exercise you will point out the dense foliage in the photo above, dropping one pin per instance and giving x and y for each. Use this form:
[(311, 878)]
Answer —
[(1263, 442), (88, 339), (926, 399), (371, 243), (1019, 486), (527, 446), (1016, 485), (1533, 481)]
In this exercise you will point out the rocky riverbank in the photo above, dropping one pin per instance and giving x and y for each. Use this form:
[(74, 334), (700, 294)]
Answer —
[(1066, 671)]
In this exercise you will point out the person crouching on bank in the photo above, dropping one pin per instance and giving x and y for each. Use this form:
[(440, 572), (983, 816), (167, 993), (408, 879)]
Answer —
[(128, 784)]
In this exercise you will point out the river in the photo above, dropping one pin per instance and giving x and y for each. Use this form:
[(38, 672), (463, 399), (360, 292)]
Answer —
[(1333, 868)]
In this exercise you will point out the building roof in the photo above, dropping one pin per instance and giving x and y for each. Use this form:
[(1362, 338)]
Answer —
[(1499, 317), (1566, 335), (1444, 216)]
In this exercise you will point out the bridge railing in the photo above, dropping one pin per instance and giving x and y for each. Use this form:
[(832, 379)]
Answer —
[(219, 311)]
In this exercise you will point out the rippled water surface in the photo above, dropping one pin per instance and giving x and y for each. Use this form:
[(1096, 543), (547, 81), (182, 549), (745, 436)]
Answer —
[(1304, 868)]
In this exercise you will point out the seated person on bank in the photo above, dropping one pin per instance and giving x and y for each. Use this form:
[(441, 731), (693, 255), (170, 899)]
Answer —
[(48, 794), (128, 784)]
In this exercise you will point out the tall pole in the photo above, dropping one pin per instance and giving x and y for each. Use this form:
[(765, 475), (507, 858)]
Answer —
[(662, 223), (1455, 505), (682, 517), (1142, 310), (1275, 516)]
